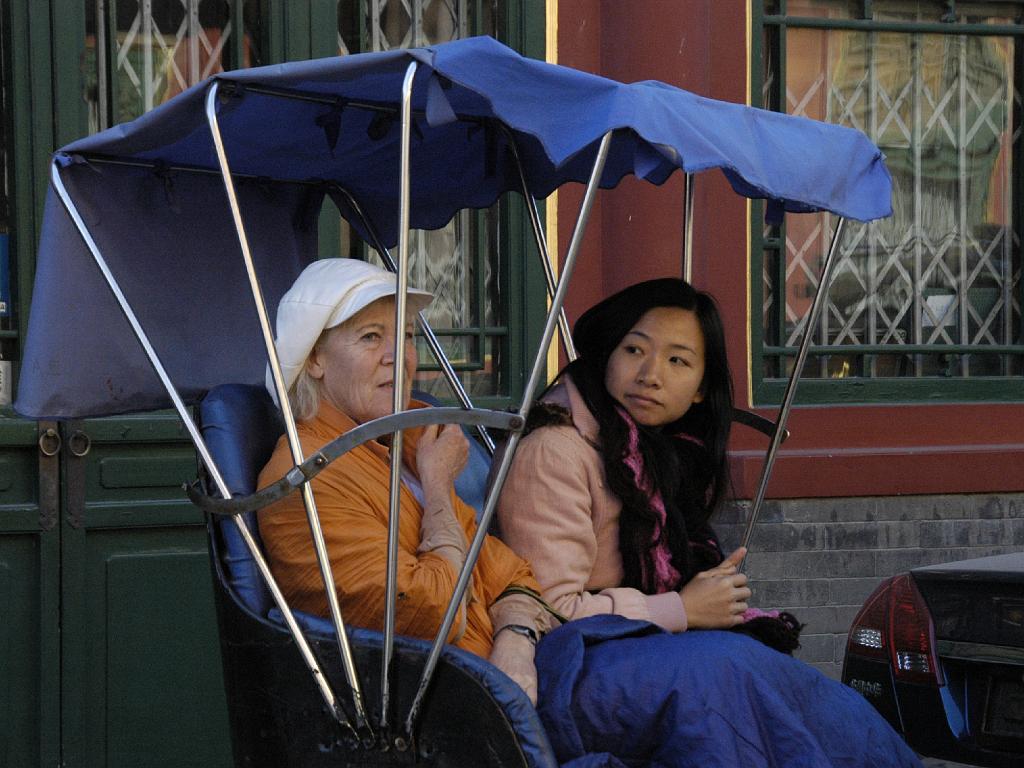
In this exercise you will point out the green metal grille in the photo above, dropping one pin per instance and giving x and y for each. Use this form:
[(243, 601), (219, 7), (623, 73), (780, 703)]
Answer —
[(462, 263), (931, 298), (139, 53)]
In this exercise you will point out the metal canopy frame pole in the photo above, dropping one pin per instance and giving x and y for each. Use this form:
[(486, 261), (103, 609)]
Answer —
[(398, 400), (320, 546), (428, 333), (787, 400), (506, 460), (688, 230), (542, 250), (197, 439)]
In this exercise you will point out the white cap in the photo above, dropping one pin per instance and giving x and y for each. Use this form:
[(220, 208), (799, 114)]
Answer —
[(326, 294)]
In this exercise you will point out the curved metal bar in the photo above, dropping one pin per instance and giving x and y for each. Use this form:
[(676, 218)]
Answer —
[(197, 439), (798, 366), (366, 432), (96, 159), (319, 545), (428, 333), (331, 100), (688, 231), (756, 421), (398, 401), (506, 459), (542, 247)]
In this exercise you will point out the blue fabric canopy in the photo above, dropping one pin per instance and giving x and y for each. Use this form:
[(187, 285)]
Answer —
[(170, 240), (462, 90)]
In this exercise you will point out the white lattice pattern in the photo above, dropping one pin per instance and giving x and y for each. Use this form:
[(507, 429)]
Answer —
[(443, 261), (413, 23), (945, 269), (166, 49)]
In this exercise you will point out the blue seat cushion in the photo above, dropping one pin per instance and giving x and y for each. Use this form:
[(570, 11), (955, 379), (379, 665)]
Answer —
[(241, 426)]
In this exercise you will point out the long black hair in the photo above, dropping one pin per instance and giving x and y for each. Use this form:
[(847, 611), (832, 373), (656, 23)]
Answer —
[(691, 476)]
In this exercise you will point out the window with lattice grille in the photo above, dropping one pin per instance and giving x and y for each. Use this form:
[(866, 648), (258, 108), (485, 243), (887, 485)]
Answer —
[(462, 263), (926, 303), (140, 53)]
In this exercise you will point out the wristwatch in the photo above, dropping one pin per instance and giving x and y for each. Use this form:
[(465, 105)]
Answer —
[(520, 629)]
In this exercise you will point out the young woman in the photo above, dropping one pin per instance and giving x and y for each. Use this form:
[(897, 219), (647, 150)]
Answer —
[(610, 498)]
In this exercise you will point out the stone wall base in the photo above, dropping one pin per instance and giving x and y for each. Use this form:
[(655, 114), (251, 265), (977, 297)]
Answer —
[(820, 558)]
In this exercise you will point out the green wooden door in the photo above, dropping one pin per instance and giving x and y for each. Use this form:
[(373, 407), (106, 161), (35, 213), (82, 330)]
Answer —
[(30, 664), (108, 634), (141, 678), (29, 603), (108, 644)]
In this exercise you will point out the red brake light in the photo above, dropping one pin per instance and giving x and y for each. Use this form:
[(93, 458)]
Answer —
[(895, 626), (871, 626), (912, 634)]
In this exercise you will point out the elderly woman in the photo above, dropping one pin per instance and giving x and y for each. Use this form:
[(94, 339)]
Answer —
[(336, 341)]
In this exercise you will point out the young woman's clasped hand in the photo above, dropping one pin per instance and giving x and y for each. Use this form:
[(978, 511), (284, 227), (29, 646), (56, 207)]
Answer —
[(716, 598)]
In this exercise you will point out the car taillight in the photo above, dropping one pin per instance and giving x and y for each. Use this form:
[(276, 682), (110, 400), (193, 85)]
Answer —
[(895, 625), (867, 635), (911, 633)]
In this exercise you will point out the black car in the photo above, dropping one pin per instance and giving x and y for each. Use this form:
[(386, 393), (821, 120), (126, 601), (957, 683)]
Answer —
[(939, 651)]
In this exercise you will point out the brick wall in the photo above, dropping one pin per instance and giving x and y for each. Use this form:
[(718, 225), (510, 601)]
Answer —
[(820, 558)]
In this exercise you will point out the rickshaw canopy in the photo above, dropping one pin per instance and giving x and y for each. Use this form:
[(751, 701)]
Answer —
[(153, 229), (296, 132)]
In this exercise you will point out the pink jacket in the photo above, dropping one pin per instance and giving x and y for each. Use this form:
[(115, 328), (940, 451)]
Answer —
[(556, 512)]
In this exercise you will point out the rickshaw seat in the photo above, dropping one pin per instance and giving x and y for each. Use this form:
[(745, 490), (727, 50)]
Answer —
[(241, 426), (277, 718)]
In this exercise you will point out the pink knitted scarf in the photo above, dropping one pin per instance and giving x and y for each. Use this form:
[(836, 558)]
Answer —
[(666, 577)]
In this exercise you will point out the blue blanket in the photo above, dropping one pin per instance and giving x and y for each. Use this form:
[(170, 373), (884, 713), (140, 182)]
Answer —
[(616, 693)]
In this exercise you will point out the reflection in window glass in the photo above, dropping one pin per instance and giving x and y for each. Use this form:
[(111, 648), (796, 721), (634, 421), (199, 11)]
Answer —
[(933, 288), (824, 9), (140, 53), (925, 11), (460, 263), (933, 10)]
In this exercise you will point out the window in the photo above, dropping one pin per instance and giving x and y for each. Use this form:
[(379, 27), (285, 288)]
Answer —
[(463, 264), (927, 303), (139, 53)]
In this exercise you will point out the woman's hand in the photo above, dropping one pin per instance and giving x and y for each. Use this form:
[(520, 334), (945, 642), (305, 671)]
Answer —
[(441, 455), (717, 598), (731, 563), (512, 653)]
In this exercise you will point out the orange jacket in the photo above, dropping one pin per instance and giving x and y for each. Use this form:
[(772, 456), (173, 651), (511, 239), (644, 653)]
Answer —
[(352, 500)]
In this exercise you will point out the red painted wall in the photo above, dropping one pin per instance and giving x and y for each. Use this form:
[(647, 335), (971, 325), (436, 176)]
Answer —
[(636, 232)]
